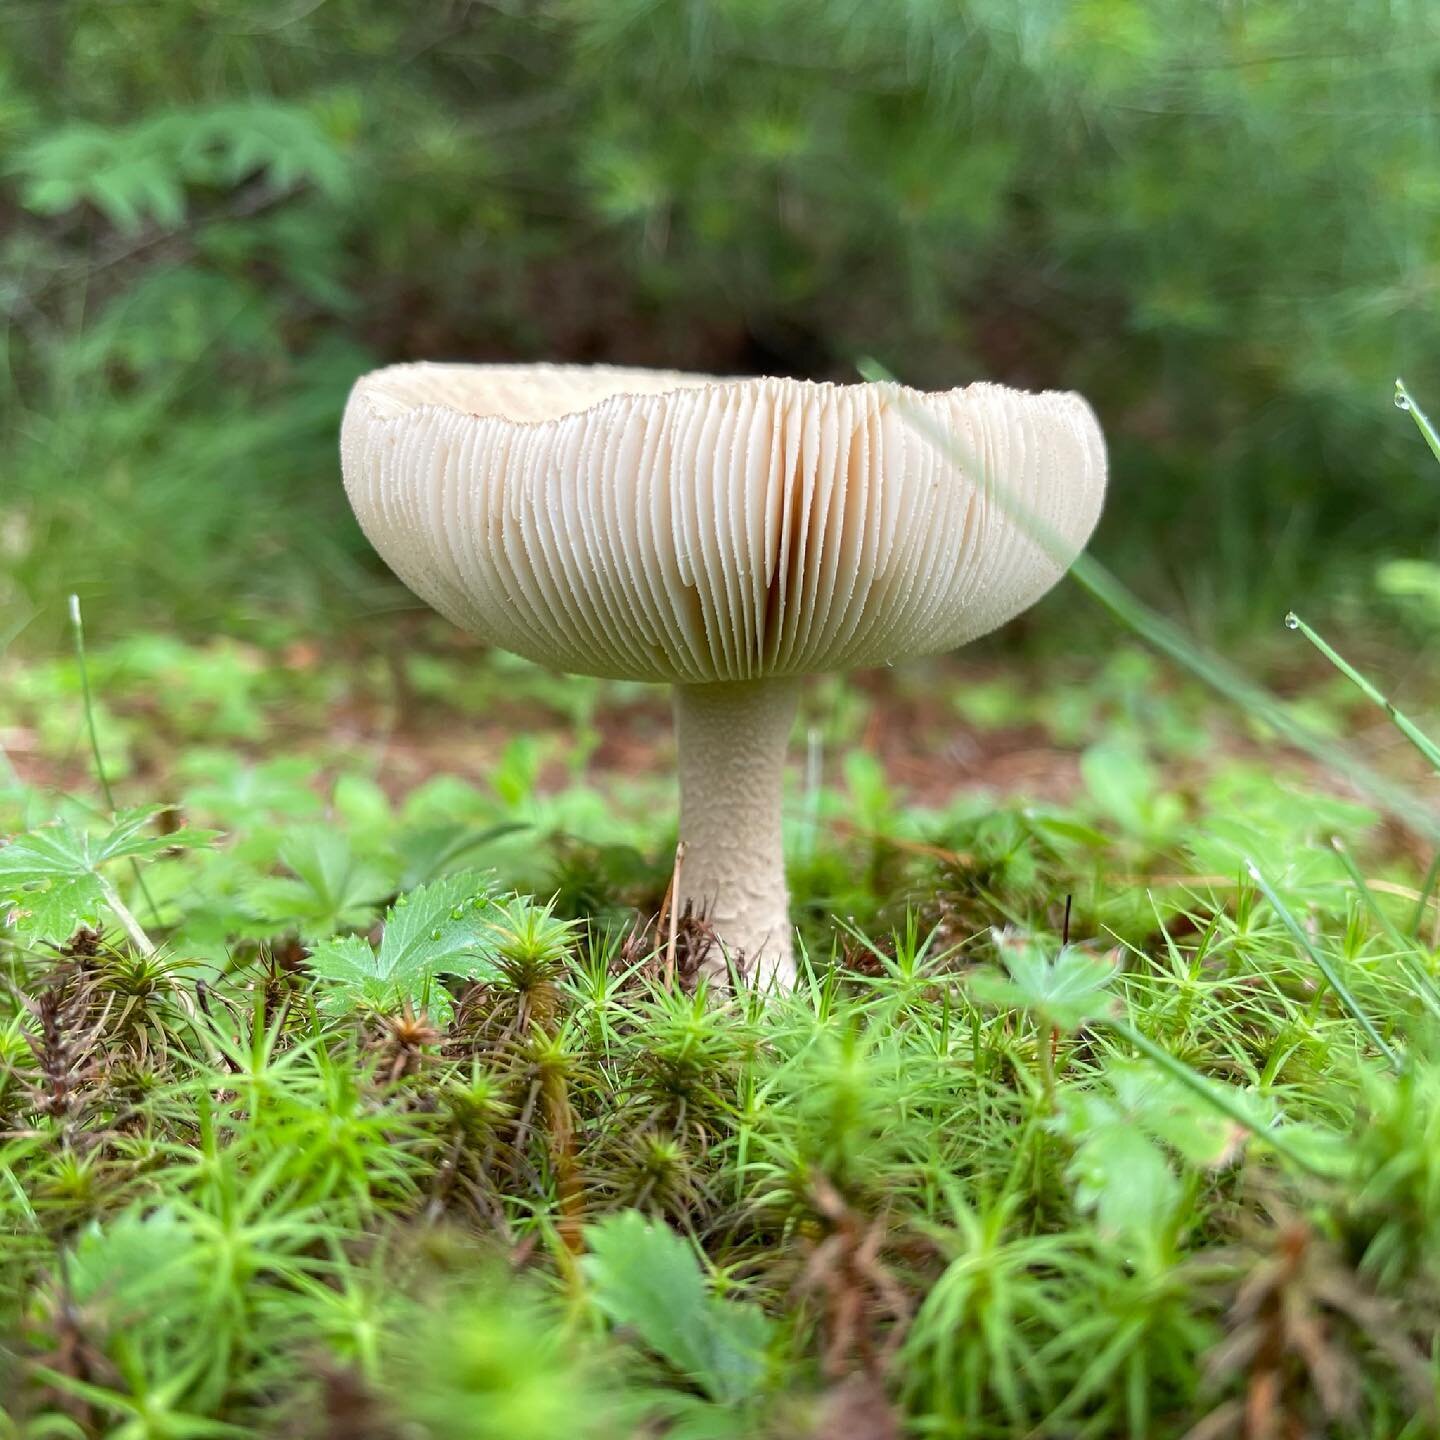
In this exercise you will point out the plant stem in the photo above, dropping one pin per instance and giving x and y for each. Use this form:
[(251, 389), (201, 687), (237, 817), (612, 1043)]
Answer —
[(1047, 1039), (77, 629), (128, 923)]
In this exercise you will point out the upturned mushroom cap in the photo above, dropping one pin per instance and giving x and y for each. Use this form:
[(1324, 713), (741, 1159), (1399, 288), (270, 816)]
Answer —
[(649, 525)]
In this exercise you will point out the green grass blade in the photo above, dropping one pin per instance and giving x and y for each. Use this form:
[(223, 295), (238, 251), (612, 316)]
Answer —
[(1322, 963), (87, 700), (1194, 1081), (1426, 888), (77, 631), (1405, 401), (1092, 577), (1402, 722), (1424, 983)]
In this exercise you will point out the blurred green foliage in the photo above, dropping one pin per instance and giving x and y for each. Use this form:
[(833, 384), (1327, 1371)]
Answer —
[(1218, 221)]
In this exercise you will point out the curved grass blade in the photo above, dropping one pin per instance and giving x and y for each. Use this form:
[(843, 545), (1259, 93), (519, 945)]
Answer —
[(1169, 639), (1431, 875), (77, 632)]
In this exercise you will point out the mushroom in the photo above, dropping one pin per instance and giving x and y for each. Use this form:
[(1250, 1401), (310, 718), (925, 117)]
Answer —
[(723, 536)]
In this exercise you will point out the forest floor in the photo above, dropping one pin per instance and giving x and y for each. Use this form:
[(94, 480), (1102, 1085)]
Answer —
[(349, 1088)]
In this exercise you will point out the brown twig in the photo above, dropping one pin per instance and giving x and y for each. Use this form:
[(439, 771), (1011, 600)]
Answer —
[(670, 910)]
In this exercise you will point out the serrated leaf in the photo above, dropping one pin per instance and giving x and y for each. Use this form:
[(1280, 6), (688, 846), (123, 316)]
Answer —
[(1120, 1169), (349, 961), (125, 837), (53, 911), (644, 1276), (1065, 992), (433, 930), (1168, 1111), (1122, 1175), (49, 877), (329, 887)]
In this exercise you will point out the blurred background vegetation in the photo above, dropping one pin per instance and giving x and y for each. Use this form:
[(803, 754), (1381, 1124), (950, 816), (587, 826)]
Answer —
[(1218, 220)]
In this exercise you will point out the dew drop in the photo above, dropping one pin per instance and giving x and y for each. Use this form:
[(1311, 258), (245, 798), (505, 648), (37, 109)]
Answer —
[(458, 913), (435, 933), (1292, 621), (1402, 400)]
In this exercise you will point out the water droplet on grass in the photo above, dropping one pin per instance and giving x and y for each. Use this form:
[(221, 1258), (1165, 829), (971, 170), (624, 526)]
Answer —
[(1402, 400), (1292, 621)]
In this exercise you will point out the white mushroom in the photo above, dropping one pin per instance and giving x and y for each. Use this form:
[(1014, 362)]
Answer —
[(727, 537)]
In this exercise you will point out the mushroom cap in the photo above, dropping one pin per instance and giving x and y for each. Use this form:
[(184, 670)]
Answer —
[(650, 525)]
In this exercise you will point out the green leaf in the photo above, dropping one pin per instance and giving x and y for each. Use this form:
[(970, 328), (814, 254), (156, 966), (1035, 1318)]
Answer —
[(330, 888), (53, 910), (50, 880), (349, 961), (426, 852), (1122, 782), (644, 1276), (515, 774), (1065, 827), (1118, 1171), (248, 796), (125, 837), (437, 929), (1065, 992), (1167, 1110)]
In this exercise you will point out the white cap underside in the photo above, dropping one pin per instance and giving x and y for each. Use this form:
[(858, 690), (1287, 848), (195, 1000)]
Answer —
[(658, 526)]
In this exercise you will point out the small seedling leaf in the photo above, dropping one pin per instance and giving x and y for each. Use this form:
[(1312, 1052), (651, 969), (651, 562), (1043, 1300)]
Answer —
[(1065, 992)]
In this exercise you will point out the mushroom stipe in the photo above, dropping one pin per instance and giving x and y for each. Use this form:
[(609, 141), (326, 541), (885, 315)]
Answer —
[(723, 536)]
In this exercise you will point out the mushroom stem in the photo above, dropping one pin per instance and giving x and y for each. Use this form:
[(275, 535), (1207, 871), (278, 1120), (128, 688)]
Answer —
[(731, 738)]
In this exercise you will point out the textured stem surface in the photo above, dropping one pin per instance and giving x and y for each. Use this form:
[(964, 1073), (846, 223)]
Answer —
[(732, 739)]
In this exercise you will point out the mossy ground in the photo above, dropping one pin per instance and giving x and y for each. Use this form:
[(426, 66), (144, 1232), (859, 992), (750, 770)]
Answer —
[(1065, 1133)]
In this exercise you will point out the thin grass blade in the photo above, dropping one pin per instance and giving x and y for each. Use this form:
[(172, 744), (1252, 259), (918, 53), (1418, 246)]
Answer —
[(1322, 962), (1424, 983), (1402, 722), (1404, 400), (1194, 1081)]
